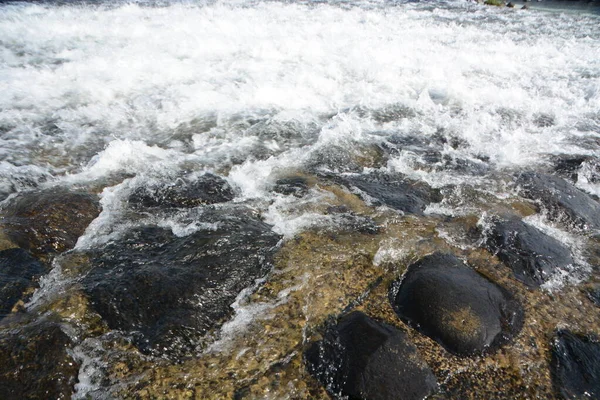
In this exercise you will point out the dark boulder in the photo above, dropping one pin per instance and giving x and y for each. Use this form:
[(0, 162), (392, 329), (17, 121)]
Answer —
[(457, 307), (35, 363), (293, 185), (206, 189), (561, 199), (575, 366), (426, 153), (532, 255), (345, 219), (393, 190), (48, 221), (568, 166), (18, 272), (594, 294), (360, 358), (171, 290), (332, 159)]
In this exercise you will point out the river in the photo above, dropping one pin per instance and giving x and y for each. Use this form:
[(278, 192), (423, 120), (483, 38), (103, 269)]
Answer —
[(255, 169)]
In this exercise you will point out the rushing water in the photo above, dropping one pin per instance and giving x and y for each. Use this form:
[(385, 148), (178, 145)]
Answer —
[(113, 97)]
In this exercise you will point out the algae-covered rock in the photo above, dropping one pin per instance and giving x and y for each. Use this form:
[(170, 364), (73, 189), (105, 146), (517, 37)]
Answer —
[(171, 290), (532, 255), (18, 273), (184, 193), (457, 307), (360, 358), (48, 221), (35, 363), (561, 199), (576, 366)]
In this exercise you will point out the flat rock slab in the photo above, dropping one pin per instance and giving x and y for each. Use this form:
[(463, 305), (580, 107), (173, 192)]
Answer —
[(563, 201), (363, 359), (576, 366), (169, 291), (446, 300), (532, 255), (393, 190), (184, 193), (18, 272), (48, 221), (35, 363)]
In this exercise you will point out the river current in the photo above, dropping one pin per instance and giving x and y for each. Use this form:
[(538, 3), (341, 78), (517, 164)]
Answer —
[(299, 107)]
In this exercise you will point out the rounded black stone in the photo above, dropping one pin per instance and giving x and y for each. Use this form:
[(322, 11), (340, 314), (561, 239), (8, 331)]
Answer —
[(561, 199), (457, 307), (360, 358), (575, 366), (530, 253)]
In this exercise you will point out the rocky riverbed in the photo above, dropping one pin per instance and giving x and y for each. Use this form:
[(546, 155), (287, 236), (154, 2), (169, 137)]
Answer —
[(326, 210)]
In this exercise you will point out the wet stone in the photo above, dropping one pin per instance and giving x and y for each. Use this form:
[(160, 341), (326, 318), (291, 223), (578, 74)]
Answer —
[(206, 189), (463, 165), (576, 366), (568, 165), (457, 307), (35, 363), (48, 221), (594, 295), (360, 358), (563, 201), (170, 291), (18, 272), (393, 190), (428, 152), (532, 255), (294, 185), (347, 220)]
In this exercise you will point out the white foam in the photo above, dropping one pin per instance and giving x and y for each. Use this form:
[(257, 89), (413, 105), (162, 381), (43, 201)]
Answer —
[(136, 73)]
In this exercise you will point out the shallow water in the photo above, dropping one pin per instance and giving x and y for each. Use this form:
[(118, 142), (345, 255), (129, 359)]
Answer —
[(112, 96)]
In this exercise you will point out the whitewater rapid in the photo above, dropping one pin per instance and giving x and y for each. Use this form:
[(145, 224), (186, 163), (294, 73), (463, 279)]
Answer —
[(190, 78)]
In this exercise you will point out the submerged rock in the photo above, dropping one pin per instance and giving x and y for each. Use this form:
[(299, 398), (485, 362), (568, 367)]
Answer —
[(172, 290), (206, 189), (363, 359), (594, 295), (293, 185), (345, 219), (563, 201), (393, 190), (568, 165), (457, 307), (532, 255), (48, 221), (35, 363), (18, 273), (576, 366)]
